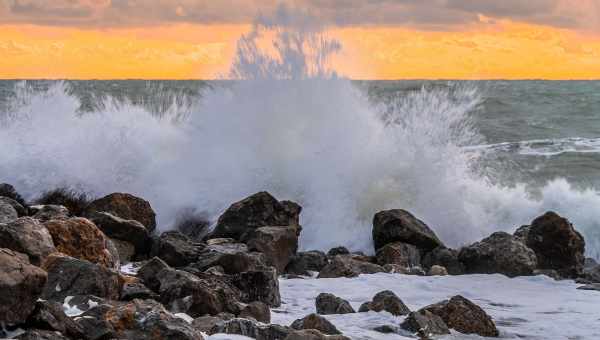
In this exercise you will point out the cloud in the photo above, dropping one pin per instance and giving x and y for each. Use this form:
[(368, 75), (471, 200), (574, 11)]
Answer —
[(432, 14)]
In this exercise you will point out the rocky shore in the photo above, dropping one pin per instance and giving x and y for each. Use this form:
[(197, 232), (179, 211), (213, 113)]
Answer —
[(98, 269)]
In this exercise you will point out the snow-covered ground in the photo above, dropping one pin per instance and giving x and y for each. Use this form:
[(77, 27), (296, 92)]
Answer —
[(526, 308)]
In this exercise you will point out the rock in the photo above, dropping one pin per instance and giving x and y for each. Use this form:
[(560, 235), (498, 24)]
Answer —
[(258, 210), (385, 301), (137, 290), (386, 329), (338, 251), (250, 329), (130, 231), (401, 226), (81, 239), (279, 244), (148, 273), (589, 263), (313, 334), (464, 316), (176, 249), (436, 270), (315, 321), (303, 262), (259, 285), (7, 190), (591, 286), (522, 233), (20, 286), (40, 334), (399, 253), (69, 276), (231, 263), (331, 304), (49, 212), (592, 273), (425, 323), (257, 310), (551, 273), (28, 236), (346, 266), (49, 315), (122, 250), (499, 253), (18, 207), (193, 224), (445, 257), (206, 323), (7, 212), (557, 245), (127, 207), (182, 292)]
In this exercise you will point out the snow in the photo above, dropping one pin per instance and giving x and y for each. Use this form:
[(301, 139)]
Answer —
[(71, 310), (535, 307), (130, 268)]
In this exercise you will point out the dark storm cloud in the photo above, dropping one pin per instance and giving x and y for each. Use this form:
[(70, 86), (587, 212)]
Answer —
[(442, 14)]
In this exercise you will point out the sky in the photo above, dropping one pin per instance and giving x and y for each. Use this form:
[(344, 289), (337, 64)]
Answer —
[(382, 39)]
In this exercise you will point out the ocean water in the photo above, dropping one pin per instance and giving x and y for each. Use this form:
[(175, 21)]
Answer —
[(468, 158)]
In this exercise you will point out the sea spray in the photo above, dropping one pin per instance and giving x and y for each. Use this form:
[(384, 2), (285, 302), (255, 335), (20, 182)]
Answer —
[(291, 126)]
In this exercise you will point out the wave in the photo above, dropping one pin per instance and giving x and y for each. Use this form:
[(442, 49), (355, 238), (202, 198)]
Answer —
[(544, 147)]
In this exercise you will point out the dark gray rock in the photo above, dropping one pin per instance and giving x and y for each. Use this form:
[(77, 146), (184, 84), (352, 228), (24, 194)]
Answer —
[(125, 206), (206, 323), (257, 310), (347, 266), (303, 262), (41, 334), (7, 212), (7, 190), (399, 253), (176, 249), (259, 285), (44, 213), (499, 253), (425, 323), (28, 236), (148, 273), (250, 329), (338, 251), (315, 321), (20, 286), (401, 226), (49, 315), (130, 231), (385, 301), (136, 290), (330, 304), (313, 334), (18, 207), (464, 316), (445, 257), (279, 244)]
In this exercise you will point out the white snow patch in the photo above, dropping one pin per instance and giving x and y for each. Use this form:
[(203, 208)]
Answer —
[(534, 307), (71, 310), (130, 268)]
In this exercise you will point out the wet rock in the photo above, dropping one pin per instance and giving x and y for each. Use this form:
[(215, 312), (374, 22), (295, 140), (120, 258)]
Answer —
[(425, 323), (176, 249), (148, 273), (137, 290), (499, 253), (130, 231), (28, 236), (436, 270), (256, 211), (206, 323), (401, 226), (386, 329), (49, 212), (330, 304), (338, 251), (7, 190), (230, 263), (464, 316), (346, 266), (18, 207), (445, 257), (122, 250), (315, 321), (385, 301), (257, 310), (592, 274), (20, 286), (303, 262), (40, 334), (127, 207), (7, 212), (313, 334), (49, 315), (279, 244), (250, 329), (81, 239), (69, 276), (399, 253), (557, 245), (259, 285)]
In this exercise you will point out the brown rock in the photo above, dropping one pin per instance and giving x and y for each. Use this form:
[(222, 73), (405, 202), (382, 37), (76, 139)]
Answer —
[(386, 301), (399, 253), (125, 206), (28, 236), (330, 304), (346, 266), (279, 244), (313, 334), (315, 321), (401, 226), (257, 310), (464, 316)]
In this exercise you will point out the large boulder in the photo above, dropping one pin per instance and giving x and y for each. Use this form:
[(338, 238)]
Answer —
[(130, 231), (7, 190), (258, 210), (304, 262), (464, 316), (499, 253), (330, 304), (401, 226), (445, 257), (50, 315), (18, 207), (259, 285), (279, 244), (148, 273), (80, 238), (557, 245), (28, 236), (399, 253), (125, 206), (315, 321), (232, 262), (49, 212), (385, 301), (176, 249), (68, 276), (425, 324), (7, 212), (347, 266), (251, 329), (21, 284)]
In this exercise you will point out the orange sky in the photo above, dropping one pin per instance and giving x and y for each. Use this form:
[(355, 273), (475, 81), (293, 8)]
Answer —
[(505, 49)]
